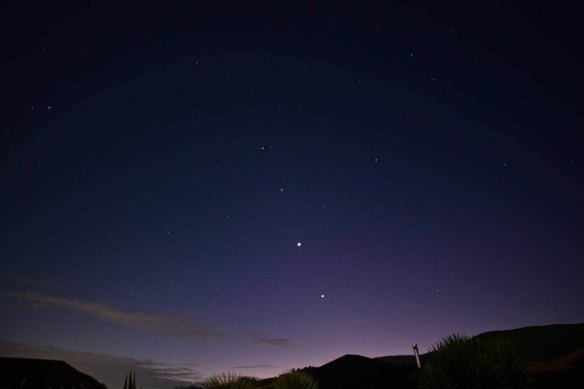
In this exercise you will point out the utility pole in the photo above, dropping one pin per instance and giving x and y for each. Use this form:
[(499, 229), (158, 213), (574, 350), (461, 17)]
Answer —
[(416, 354)]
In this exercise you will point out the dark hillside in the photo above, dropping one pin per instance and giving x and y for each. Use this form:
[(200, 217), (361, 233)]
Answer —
[(398, 360), (555, 353), (544, 343), (42, 374), (355, 371)]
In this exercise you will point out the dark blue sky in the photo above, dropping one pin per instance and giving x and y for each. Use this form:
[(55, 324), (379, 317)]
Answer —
[(161, 163)]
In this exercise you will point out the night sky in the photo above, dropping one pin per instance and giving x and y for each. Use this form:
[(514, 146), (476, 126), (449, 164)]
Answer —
[(189, 188)]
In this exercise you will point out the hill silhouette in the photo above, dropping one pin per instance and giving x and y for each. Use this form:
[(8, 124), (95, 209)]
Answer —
[(555, 354), (27, 373), (544, 343), (356, 371)]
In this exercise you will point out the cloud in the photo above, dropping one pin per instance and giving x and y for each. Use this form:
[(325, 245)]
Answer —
[(278, 342), (110, 369), (255, 367), (258, 337), (175, 325), (28, 281)]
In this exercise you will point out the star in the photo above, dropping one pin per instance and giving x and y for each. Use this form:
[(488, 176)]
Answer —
[(322, 296), (299, 244)]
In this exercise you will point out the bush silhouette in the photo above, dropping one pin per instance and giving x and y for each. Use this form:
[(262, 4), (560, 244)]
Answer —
[(229, 381), (459, 362), (295, 379)]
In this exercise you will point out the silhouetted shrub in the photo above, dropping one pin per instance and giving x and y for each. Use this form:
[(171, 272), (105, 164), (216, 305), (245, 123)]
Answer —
[(229, 381), (295, 379), (459, 362), (129, 382)]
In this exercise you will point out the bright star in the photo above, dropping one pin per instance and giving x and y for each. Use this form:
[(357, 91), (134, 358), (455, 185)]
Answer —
[(299, 244)]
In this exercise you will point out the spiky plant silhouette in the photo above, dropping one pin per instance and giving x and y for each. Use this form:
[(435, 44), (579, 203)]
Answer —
[(460, 362), (295, 379), (229, 381), (129, 382)]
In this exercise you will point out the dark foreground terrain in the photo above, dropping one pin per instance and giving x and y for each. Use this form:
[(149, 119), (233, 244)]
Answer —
[(41, 373), (555, 355)]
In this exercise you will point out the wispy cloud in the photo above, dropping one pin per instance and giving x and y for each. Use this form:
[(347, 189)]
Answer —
[(255, 367), (28, 281), (110, 369), (258, 337), (175, 325), (277, 342)]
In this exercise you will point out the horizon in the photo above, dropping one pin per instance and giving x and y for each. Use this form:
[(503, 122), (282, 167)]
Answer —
[(190, 189), (151, 371)]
